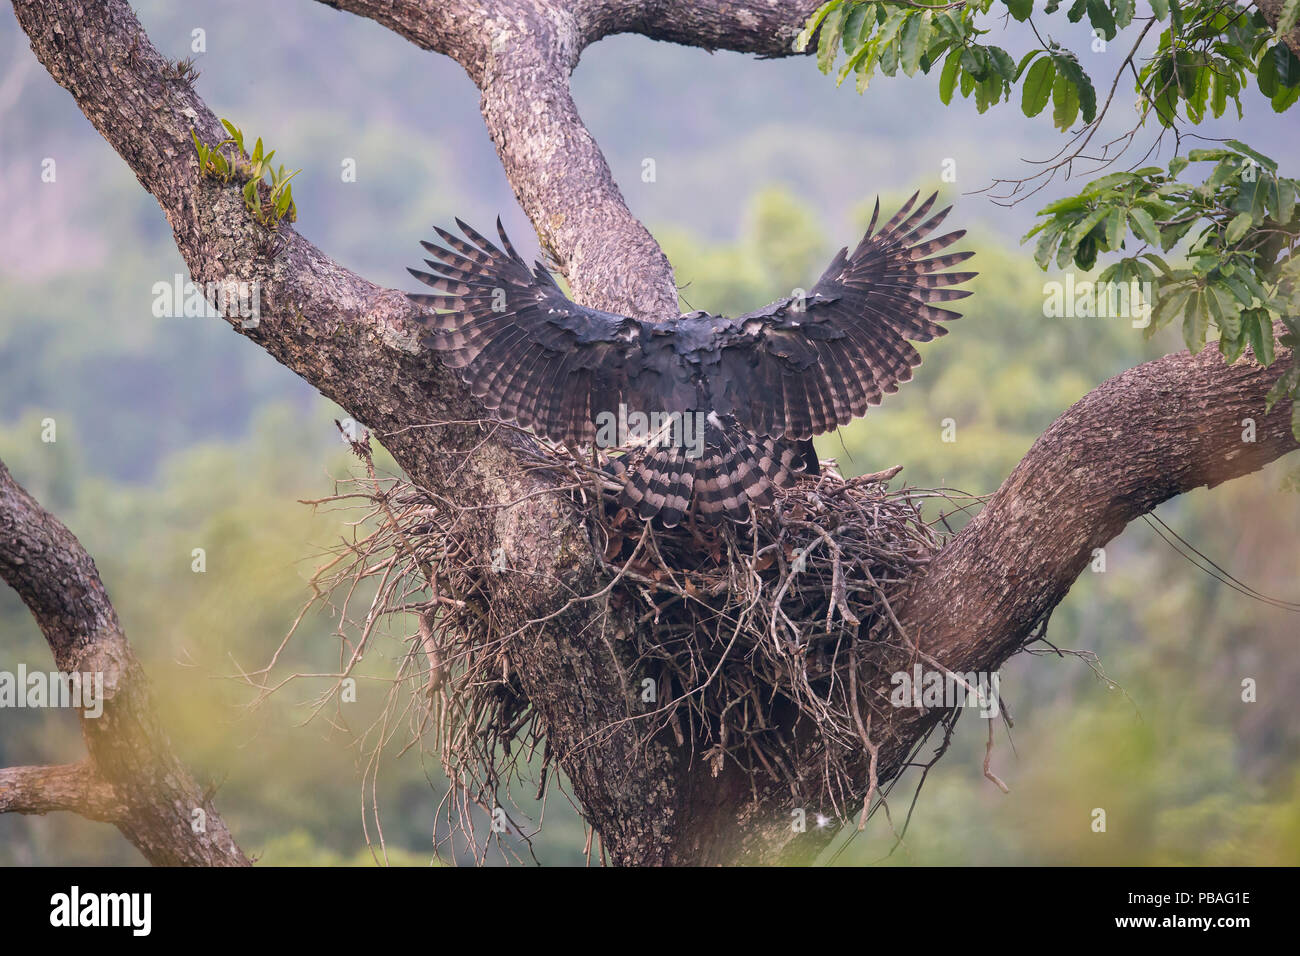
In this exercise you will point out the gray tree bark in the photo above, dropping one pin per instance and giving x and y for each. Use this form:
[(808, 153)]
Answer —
[(1156, 431), (130, 778)]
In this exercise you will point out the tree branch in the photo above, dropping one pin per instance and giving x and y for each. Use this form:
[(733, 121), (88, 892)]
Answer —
[(132, 778), (76, 787), (1156, 431), (353, 340), (764, 27), (520, 54), (559, 174)]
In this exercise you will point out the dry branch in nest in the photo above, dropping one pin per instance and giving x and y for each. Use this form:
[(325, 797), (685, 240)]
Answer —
[(765, 643)]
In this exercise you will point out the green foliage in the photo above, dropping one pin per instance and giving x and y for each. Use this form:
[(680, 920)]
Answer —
[(1232, 227), (892, 35), (1204, 58), (300, 847), (1210, 60), (1236, 229), (269, 203)]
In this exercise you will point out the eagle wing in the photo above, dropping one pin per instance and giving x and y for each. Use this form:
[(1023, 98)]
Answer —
[(524, 348), (803, 366)]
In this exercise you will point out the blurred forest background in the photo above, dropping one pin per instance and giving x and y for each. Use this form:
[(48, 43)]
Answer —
[(175, 434)]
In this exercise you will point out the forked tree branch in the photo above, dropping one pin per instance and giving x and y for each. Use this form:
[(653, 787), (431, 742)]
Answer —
[(520, 54), (131, 778)]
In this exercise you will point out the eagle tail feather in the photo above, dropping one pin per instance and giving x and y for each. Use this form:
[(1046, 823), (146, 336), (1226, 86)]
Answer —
[(661, 484)]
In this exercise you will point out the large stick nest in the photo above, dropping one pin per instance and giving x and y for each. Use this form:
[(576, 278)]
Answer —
[(763, 643), (767, 638)]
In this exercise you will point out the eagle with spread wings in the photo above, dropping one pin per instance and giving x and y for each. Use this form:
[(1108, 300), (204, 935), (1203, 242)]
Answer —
[(762, 384)]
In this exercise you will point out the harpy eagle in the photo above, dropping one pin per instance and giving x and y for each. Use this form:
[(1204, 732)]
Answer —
[(761, 385)]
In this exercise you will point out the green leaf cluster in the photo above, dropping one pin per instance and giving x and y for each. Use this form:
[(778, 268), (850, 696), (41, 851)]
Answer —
[(268, 202), (1237, 230), (1210, 58), (892, 36)]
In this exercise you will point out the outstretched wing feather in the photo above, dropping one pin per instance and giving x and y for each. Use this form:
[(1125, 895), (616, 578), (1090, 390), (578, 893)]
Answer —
[(848, 342), (521, 346)]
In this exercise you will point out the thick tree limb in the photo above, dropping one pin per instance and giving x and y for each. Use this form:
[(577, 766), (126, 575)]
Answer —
[(559, 174), (132, 778), (764, 27), (452, 27), (352, 340), (1156, 431), (520, 54), (75, 787)]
